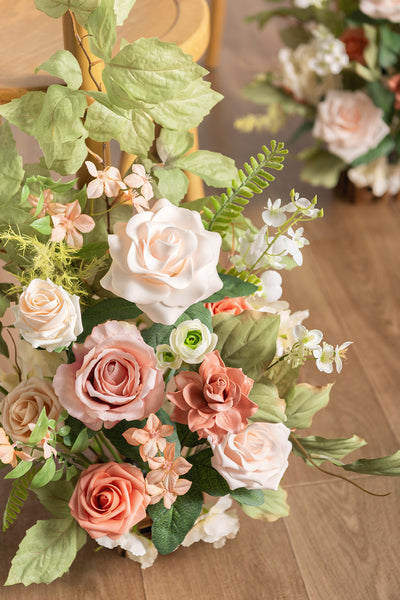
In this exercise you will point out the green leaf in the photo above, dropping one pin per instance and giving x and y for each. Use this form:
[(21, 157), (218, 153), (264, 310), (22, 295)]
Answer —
[(46, 552), (321, 449), (116, 308), (382, 149), (247, 341), (303, 401), (17, 498), (42, 225), (101, 27), (274, 506), (4, 304), (321, 167), (204, 476), (188, 438), (11, 171), (96, 249), (270, 407), (122, 9), (75, 428), (3, 344), (148, 71), (294, 35), (63, 64), (389, 47), (20, 470), (55, 497), (45, 474), (132, 129), (383, 98), (248, 497), (59, 129), (82, 442), (386, 465), (40, 429), (56, 8), (116, 438), (262, 91), (171, 144), (233, 288), (216, 170), (172, 183), (187, 107), (284, 376), (170, 526), (23, 112)]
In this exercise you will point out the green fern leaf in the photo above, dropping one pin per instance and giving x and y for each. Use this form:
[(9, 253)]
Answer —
[(17, 498)]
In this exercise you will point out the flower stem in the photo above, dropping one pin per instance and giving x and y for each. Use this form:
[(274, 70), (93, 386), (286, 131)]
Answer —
[(109, 447)]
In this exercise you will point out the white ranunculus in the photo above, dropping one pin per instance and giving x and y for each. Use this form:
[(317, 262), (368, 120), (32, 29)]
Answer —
[(164, 261), (254, 458), (382, 9), (47, 316), (192, 340), (350, 124), (216, 524), (167, 358)]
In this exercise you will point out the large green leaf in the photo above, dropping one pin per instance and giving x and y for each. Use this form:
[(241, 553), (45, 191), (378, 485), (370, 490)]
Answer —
[(233, 287), (187, 107), (173, 143), (321, 449), (23, 112), (263, 91), (56, 8), (382, 149), (248, 497), (389, 47), (11, 171), (303, 401), (101, 27), (45, 474), (274, 506), (172, 183), (215, 168), (55, 497), (133, 129), (46, 552), (386, 465), (284, 376), (247, 341), (59, 129), (122, 9), (63, 64), (204, 476), (148, 71), (321, 167), (170, 526), (111, 308), (270, 407), (383, 98)]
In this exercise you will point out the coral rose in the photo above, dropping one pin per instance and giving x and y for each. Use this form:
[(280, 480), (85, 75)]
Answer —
[(350, 123), (47, 315), (164, 261), (213, 401), (255, 458), (355, 41), (234, 306), (109, 499), (23, 406), (382, 9), (115, 377)]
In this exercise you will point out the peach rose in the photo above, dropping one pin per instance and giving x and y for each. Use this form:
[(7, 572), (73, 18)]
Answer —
[(109, 499), (255, 458), (23, 406), (47, 315), (350, 123), (213, 401), (164, 261), (382, 9), (234, 306), (115, 377)]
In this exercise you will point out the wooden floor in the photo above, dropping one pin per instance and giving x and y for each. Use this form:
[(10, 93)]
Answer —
[(338, 543)]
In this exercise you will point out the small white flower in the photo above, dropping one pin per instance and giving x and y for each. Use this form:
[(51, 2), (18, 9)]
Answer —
[(303, 204), (271, 286), (167, 358), (192, 340), (340, 353), (325, 357), (215, 525), (310, 339), (274, 214), (308, 3)]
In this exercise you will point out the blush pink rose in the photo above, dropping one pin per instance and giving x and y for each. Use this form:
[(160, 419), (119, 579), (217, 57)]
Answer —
[(213, 401), (109, 499), (255, 458), (115, 377), (164, 261), (350, 123), (234, 306), (382, 9)]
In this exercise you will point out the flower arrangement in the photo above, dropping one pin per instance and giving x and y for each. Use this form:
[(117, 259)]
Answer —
[(151, 359), (338, 72)]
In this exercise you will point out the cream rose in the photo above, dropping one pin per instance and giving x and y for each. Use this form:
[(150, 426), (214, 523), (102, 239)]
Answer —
[(164, 261), (47, 316), (255, 458), (382, 9), (350, 123), (23, 406)]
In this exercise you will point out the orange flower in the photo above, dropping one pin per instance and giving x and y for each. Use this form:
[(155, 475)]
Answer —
[(8, 454), (234, 306), (68, 224), (151, 438)]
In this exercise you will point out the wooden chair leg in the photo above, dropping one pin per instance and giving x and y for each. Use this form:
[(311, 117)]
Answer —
[(218, 10)]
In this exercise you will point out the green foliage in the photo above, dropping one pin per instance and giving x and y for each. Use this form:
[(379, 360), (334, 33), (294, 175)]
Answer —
[(122, 9), (274, 506), (171, 144), (170, 526), (117, 308), (17, 498), (220, 211), (321, 167), (75, 428), (216, 170), (172, 183), (382, 149), (247, 341), (232, 288), (40, 429), (386, 465), (284, 377), (383, 98), (270, 407), (23, 112), (101, 27), (56, 8), (45, 474), (64, 65), (321, 449), (55, 497), (20, 470), (46, 552), (389, 46), (11, 171), (116, 438), (188, 439), (82, 442), (204, 476), (264, 92), (248, 497), (303, 401)]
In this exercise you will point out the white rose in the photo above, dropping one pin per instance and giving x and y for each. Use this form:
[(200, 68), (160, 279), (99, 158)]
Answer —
[(382, 9), (192, 340), (164, 261), (350, 123), (47, 316), (254, 458), (216, 524)]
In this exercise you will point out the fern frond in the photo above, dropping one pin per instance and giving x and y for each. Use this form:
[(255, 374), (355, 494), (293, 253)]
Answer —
[(220, 211), (17, 498)]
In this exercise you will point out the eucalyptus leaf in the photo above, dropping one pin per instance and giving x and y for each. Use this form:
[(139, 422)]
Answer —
[(172, 183), (46, 552), (63, 64), (23, 112), (274, 506), (11, 171), (215, 168), (303, 401), (321, 449)]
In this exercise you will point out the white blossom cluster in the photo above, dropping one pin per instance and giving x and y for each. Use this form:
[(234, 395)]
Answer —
[(330, 53), (309, 342)]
